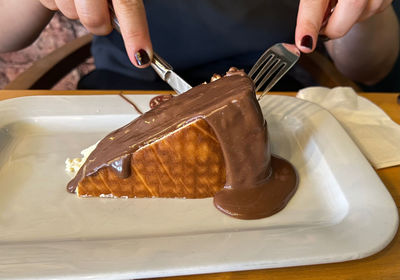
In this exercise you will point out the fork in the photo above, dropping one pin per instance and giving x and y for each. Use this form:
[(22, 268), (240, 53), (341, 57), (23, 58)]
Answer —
[(272, 65)]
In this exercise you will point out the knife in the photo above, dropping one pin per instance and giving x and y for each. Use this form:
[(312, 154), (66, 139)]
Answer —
[(160, 66), (165, 71)]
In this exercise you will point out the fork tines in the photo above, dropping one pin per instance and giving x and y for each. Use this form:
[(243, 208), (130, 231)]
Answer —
[(272, 65)]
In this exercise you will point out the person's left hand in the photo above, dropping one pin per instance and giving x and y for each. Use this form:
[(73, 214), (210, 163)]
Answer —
[(316, 14)]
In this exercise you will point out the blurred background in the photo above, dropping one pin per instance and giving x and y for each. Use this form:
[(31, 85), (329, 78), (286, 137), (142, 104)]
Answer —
[(60, 31)]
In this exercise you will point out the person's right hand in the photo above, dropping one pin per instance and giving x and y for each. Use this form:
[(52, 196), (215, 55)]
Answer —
[(95, 16)]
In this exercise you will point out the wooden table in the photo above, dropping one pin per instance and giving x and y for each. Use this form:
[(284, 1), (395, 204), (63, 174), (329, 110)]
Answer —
[(383, 265)]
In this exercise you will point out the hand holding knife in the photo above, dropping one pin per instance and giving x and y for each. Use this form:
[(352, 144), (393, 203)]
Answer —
[(162, 68)]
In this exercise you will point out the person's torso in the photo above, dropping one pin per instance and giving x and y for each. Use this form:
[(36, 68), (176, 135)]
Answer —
[(190, 34)]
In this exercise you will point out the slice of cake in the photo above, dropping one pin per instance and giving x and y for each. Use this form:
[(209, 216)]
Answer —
[(211, 141)]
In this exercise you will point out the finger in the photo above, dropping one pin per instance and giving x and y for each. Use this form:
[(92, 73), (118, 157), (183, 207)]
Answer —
[(309, 19), (49, 4), (345, 15), (94, 15), (375, 7), (67, 7), (135, 32)]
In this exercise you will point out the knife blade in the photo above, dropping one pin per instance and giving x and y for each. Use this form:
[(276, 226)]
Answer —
[(165, 71), (178, 84), (160, 66)]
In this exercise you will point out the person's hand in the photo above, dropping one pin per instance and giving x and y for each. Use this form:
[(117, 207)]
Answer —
[(315, 17), (95, 16)]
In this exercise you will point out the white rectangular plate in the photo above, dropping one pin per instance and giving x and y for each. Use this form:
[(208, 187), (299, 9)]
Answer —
[(341, 211)]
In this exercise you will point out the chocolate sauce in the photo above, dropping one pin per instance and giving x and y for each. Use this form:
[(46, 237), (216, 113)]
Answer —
[(257, 184), (122, 166), (155, 101), (130, 102)]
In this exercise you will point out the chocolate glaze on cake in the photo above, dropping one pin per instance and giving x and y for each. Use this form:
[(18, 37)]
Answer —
[(257, 184)]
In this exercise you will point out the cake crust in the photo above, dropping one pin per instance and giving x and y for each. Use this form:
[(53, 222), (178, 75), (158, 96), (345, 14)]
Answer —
[(185, 164)]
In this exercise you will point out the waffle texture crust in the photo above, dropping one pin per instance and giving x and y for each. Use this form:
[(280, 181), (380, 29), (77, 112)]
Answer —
[(187, 163)]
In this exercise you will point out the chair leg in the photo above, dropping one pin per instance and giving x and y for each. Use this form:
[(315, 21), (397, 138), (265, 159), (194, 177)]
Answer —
[(324, 71)]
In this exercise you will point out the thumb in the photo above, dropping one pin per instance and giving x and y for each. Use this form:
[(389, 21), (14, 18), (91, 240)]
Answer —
[(131, 15)]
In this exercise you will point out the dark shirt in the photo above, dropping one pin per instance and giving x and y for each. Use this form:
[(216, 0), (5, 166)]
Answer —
[(199, 38), (202, 37)]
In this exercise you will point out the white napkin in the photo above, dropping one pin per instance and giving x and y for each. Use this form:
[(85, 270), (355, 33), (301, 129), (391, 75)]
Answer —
[(377, 136)]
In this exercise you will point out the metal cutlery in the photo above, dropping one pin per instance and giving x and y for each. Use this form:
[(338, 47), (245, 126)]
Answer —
[(273, 65), (165, 71)]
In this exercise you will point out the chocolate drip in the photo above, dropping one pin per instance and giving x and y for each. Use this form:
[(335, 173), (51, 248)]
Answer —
[(264, 198), (257, 184), (122, 166), (130, 102)]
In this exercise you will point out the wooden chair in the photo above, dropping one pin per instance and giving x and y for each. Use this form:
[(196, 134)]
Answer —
[(46, 72)]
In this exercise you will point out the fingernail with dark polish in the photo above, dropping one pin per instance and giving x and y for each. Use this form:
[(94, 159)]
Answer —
[(307, 42), (142, 57)]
